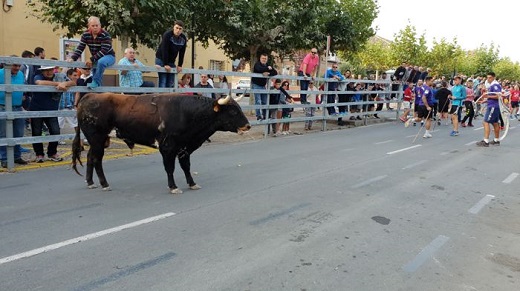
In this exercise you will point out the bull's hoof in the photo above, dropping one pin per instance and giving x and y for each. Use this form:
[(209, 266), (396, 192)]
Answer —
[(107, 188), (92, 186), (195, 187), (176, 191)]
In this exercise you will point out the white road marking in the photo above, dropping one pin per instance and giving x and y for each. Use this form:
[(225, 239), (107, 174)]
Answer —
[(369, 181), (510, 178), (425, 254), (478, 128), (472, 142), (402, 150), (477, 207), (415, 164), (82, 238), (383, 142)]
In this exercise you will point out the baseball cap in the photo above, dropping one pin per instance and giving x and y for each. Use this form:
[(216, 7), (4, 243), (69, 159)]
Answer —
[(43, 68)]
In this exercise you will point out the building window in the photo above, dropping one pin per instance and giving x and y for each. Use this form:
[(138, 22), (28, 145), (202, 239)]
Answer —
[(216, 65)]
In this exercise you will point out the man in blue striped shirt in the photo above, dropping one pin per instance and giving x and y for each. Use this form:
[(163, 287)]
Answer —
[(99, 43)]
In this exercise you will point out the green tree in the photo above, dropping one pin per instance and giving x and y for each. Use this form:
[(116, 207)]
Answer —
[(444, 58), (486, 58), (407, 46), (506, 69), (133, 20), (376, 55)]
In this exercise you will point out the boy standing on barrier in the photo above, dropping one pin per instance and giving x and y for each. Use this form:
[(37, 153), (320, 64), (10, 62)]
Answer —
[(173, 44), (48, 101), (99, 43), (17, 78)]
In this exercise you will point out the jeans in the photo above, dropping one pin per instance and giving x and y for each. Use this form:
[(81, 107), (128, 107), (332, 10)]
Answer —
[(166, 80), (18, 131), (100, 66), (331, 98), (304, 86), (260, 99), (54, 129)]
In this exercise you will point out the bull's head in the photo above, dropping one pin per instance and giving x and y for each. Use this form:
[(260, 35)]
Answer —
[(230, 115)]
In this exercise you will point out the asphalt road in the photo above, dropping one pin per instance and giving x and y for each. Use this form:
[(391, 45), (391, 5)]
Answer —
[(356, 209)]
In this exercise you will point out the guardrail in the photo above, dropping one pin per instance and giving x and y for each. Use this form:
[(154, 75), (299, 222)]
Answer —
[(9, 115)]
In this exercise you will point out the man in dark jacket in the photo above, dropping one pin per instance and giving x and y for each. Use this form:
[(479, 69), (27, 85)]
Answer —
[(173, 43), (259, 83)]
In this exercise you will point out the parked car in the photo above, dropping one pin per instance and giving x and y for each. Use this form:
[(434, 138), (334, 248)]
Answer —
[(245, 85)]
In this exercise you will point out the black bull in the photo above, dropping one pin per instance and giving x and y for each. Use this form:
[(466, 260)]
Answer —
[(178, 124)]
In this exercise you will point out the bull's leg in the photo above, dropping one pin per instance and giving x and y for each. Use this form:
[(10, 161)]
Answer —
[(95, 161), (184, 161), (98, 165), (90, 170), (168, 156)]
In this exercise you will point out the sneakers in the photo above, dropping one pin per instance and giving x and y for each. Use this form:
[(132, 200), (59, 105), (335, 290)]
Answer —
[(407, 123), (20, 161), (427, 135), (92, 85), (470, 125), (495, 143), (39, 159), (56, 158), (454, 133), (439, 122), (483, 143), (463, 124)]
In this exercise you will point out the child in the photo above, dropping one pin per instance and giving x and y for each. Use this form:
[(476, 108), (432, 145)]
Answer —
[(311, 98)]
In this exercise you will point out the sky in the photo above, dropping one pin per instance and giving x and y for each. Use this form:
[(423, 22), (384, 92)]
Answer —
[(470, 22)]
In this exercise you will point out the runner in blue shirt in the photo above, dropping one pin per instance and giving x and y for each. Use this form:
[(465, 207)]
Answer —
[(458, 94)]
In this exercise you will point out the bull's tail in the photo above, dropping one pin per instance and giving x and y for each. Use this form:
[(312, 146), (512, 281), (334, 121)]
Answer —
[(76, 151)]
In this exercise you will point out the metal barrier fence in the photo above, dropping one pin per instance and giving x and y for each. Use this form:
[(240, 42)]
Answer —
[(10, 115)]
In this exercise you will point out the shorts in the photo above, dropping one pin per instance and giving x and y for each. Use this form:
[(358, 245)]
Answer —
[(454, 109), (406, 104), (423, 112), (514, 104), (72, 120), (442, 106), (492, 115)]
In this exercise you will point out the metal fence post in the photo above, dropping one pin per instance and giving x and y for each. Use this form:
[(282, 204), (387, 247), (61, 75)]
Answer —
[(9, 121)]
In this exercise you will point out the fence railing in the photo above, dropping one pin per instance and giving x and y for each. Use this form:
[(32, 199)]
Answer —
[(10, 115)]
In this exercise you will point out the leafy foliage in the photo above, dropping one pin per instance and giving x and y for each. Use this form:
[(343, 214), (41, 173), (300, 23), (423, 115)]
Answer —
[(139, 21)]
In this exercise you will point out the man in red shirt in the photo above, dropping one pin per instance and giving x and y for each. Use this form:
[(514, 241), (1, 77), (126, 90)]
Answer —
[(307, 69)]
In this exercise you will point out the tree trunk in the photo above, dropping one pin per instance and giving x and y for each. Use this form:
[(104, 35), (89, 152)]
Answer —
[(252, 52)]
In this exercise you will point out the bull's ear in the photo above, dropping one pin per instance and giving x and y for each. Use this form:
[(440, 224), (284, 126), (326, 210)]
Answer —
[(216, 106)]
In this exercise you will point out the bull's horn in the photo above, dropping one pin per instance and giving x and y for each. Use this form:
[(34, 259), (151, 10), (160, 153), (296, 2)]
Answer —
[(239, 98), (224, 101)]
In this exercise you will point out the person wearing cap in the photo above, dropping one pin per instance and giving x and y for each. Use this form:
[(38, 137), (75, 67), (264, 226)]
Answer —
[(17, 78), (99, 43), (48, 101)]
